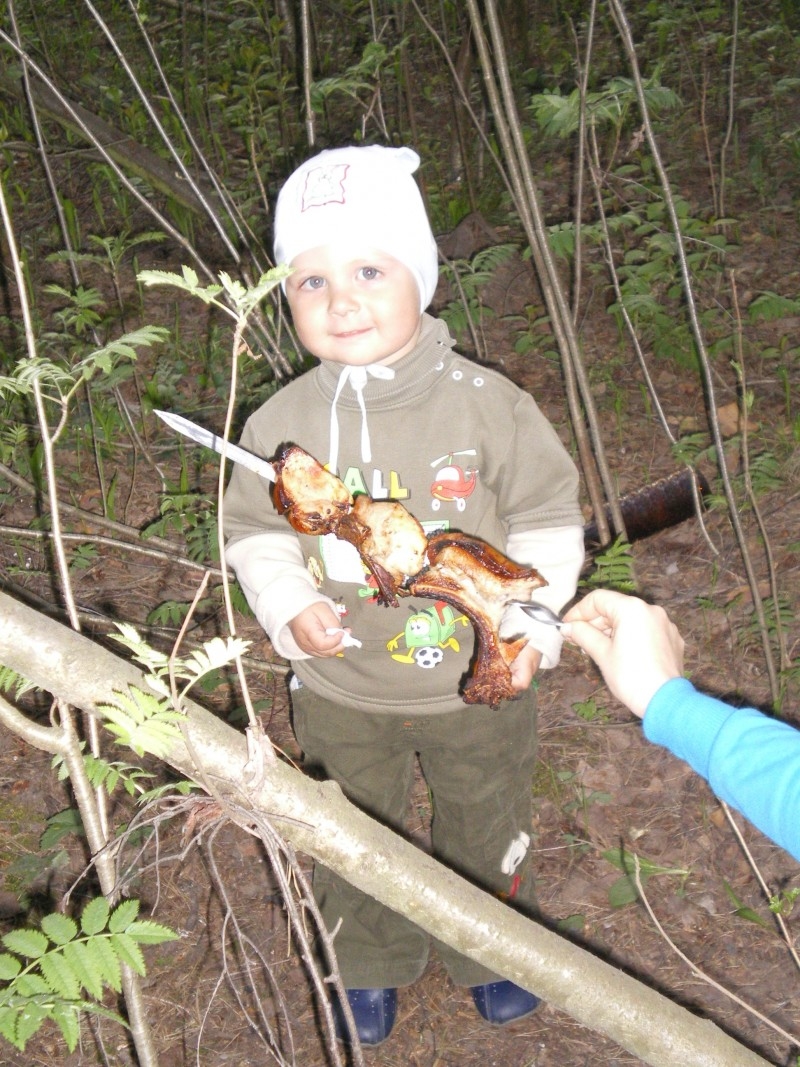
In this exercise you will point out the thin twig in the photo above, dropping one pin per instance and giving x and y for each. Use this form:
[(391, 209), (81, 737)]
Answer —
[(787, 937), (731, 111), (772, 573), (305, 30), (696, 970), (624, 30)]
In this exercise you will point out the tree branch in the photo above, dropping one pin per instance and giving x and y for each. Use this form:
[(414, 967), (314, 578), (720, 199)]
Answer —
[(318, 820)]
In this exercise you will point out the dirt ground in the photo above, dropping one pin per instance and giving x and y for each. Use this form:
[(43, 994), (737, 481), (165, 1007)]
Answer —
[(599, 786)]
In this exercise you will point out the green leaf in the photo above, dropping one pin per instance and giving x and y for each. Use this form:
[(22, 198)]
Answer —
[(143, 721), (29, 943), (742, 910), (622, 893), (8, 1025), (60, 975), (129, 952), (31, 985), (106, 961), (61, 825), (85, 967), (214, 654), (67, 1019), (59, 928), (123, 915), (95, 916), (9, 967), (627, 861), (769, 306), (146, 932), (28, 1022)]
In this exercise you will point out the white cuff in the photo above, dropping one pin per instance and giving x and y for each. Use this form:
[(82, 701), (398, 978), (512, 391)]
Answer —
[(558, 554), (272, 573)]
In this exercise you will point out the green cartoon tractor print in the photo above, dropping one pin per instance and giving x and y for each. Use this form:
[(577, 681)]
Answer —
[(427, 634)]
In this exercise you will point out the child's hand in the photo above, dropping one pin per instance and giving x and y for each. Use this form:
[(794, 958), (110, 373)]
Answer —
[(309, 631), (524, 667)]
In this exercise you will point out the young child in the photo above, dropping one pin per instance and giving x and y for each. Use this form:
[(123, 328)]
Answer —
[(397, 414)]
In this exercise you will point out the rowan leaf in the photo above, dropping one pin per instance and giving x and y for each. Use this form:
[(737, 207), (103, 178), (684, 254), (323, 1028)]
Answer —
[(59, 928), (129, 952), (95, 916), (29, 943), (123, 915)]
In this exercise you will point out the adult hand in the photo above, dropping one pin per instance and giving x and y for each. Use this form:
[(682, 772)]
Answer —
[(634, 644), (309, 629)]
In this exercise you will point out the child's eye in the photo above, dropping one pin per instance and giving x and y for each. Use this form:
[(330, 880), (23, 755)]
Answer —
[(369, 274), (314, 282)]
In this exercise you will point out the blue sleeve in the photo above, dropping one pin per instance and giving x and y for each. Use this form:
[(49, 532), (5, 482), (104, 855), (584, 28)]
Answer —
[(750, 760)]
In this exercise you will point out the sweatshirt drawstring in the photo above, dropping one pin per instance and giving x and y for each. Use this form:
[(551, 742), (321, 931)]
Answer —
[(357, 376)]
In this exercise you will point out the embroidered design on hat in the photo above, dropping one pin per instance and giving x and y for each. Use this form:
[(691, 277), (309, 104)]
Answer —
[(324, 185)]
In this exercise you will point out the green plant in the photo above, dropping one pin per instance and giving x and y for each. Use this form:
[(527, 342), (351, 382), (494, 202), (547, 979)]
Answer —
[(635, 868), (742, 911), (590, 711), (470, 277), (61, 970), (194, 516), (613, 569), (783, 902)]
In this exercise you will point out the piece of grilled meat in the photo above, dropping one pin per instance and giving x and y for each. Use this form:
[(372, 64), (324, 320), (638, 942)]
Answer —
[(461, 570)]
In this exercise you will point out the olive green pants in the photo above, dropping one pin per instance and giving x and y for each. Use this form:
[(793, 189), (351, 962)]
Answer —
[(478, 765)]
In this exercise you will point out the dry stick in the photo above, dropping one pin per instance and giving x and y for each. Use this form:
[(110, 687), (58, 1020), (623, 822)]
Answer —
[(50, 472), (76, 116), (246, 946), (741, 369), (198, 154), (65, 236), (731, 111), (623, 28), (764, 888), (527, 202), (265, 747), (139, 549), (480, 352), (90, 517), (595, 170), (91, 803), (696, 970), (462, 93), (77, 121), (232, 251), (173, 683), (276, 847), (244, 232), (584, 67), (98, 838), (375, 107), (305, 30)]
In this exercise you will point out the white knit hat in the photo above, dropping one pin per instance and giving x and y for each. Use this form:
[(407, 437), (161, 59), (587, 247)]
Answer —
[(359, 195)]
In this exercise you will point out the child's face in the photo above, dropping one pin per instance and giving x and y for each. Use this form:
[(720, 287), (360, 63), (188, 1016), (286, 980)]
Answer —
[(354, 308)]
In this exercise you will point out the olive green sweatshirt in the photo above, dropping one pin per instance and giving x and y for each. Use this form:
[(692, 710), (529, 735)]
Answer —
[(462, 448)]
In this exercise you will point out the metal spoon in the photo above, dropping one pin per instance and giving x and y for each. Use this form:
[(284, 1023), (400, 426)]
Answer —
[(539, 612)]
